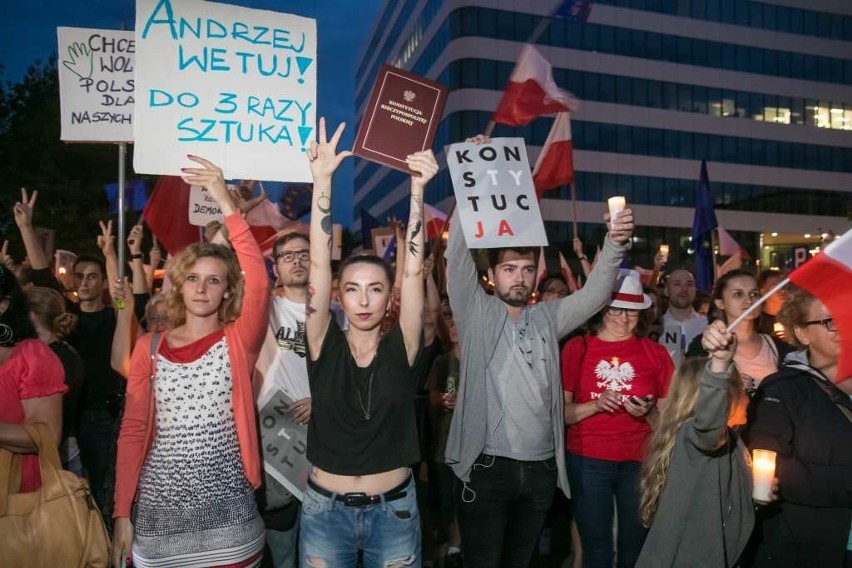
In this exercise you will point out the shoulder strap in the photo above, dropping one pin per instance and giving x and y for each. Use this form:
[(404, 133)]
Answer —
[(772, 346), (830, 390)]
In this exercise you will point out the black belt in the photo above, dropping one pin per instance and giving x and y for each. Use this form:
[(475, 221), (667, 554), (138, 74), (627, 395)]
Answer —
[(360, 499)]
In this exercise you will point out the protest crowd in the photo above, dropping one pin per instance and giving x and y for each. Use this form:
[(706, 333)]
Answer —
[(261, 402), (450, 419)]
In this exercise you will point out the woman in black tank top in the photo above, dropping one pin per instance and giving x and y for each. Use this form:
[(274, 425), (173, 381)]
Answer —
[(362, 434)]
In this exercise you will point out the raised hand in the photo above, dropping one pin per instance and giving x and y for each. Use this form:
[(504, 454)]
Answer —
[(134, 240), (479, 139), (211, 177), (577, 245), (719, 344), (622, 229), (424, 165), (24, 208), (5, 259), (155, 257), (106, 240), (323, 155)]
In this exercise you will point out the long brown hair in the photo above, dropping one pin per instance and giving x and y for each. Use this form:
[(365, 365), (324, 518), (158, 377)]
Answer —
[(680, 406)]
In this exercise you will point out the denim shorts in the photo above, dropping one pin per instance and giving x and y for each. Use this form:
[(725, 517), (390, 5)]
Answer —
[(332, 533)]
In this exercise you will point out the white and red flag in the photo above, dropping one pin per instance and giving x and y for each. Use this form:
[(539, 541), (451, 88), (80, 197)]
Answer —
[(436, 221), (531, 91), (541, 274), (555, 164), (828, 276), (729, 247)]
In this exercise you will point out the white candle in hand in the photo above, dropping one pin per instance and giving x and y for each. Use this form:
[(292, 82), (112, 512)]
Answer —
[(763, 473), (616, 204)]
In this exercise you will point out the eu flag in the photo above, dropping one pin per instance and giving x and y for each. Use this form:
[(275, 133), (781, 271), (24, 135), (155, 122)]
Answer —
[(296, 202), (576, 10), (135, 196), (702, 226)]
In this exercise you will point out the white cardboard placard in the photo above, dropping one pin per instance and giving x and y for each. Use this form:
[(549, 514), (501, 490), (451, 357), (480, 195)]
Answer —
[(202, 207), (495, 194), (96, 85), (233, 85)]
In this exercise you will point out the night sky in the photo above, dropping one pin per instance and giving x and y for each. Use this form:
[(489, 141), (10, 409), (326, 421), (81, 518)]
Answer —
[(28, 33)]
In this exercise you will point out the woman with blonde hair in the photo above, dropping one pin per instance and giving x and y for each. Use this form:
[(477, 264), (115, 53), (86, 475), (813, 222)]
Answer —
[(188, 452), (53, 324), (696, 481)]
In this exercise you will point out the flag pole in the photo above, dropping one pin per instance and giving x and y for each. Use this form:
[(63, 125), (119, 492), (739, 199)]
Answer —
[(756, 305), (713, 254), (122, 156), (574, 207)]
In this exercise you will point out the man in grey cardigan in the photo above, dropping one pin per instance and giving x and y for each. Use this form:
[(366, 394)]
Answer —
[(506, 442)]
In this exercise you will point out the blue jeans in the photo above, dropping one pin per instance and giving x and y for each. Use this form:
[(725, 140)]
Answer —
[(332, 533), (282, 546), (594, 485), (97, 436), (502, 509)]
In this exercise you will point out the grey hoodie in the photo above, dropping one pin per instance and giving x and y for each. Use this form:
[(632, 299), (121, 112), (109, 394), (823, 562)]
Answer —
[(480, 318)]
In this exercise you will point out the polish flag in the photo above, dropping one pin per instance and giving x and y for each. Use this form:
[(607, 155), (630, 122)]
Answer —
[(531, 91), (436, 221), (167, 214), (555, 164), (828, 276), (567, 274), (542, 268)]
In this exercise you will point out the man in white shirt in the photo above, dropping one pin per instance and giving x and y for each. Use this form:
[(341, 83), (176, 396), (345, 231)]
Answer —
[(681, 323), (282, 366)]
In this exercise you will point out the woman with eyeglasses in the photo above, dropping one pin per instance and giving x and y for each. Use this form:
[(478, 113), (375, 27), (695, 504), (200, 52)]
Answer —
[(758, 355), (612, 380), (552, 287), (804, 414)]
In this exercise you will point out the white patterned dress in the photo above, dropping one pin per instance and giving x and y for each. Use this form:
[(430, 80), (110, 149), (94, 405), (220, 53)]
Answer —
[(195, 506)]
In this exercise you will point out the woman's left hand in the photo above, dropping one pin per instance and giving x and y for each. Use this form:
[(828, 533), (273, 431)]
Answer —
[(423, 163), (640, 408), (210, 177)]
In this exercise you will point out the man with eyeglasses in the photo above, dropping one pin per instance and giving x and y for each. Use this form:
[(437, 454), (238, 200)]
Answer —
[(282, 366), (505, 443)]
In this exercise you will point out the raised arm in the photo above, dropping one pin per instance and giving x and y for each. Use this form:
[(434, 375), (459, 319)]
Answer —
[(155, 257), (137, 260), (324, 160), (23, 211), (707, 431), (411, 288), (581, 254), (106, 242), (126, 327)]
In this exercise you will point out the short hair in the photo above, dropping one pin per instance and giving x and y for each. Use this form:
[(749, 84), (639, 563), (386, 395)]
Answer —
[(794, 313), (286, 238), (93, 259), (495, 255), (16, 316), (182, 264), (766, 275), (48, 306), (368, 259)]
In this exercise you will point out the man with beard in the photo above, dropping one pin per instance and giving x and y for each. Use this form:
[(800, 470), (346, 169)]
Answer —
[(681, 316), (505, 444), (281, 366)]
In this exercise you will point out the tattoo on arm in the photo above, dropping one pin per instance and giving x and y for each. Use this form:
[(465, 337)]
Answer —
[(412, 245), (324, 206)]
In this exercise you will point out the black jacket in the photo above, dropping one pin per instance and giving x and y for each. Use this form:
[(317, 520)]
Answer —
[(801, 419)]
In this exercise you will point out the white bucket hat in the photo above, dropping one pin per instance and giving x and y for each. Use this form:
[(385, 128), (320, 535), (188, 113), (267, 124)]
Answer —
[(627, 291)]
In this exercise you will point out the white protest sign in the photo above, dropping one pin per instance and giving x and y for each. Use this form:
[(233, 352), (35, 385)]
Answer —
[(202, 207), (96, 91), (672, 340), (495, 194), (285, 445), (233, 85)]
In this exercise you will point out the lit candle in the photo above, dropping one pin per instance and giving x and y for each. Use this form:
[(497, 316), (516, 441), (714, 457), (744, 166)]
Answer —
[(664, 250), (778, 329), (763, 473), (616, 204)]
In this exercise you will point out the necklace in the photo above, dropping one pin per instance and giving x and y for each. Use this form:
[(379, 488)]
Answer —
[(366, 409)]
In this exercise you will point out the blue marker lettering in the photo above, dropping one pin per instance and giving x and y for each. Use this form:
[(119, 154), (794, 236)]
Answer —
[(287, 74), (240, 133), (304, 111), (217, 60), (193, 100), (170, 19), (187, 25), (261, 31), (222, 30), (264, 131), (228, 124), (228, 100), (183, 62), (260, 65), (253, 101), (244, 56), (239, 31), (152, 99)]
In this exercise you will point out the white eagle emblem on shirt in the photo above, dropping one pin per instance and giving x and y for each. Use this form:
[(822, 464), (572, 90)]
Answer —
[(615, 376)]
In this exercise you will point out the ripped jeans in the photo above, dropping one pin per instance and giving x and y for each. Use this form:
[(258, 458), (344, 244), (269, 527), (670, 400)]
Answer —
[(332, 532), (502, 509)]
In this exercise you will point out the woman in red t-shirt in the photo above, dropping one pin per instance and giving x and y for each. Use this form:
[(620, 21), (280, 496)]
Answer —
[(31, 381), (613, 381)]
